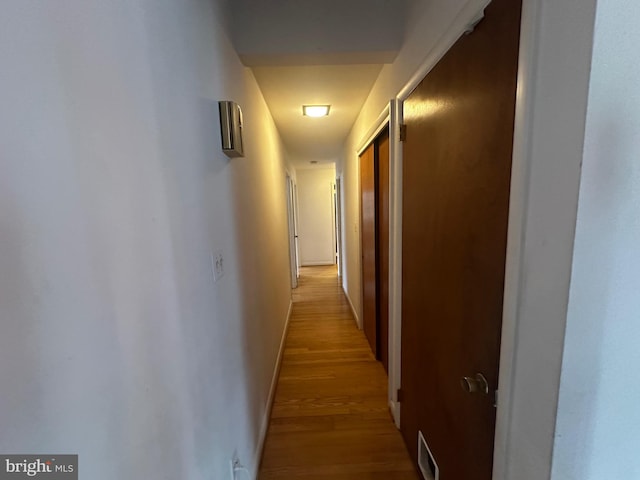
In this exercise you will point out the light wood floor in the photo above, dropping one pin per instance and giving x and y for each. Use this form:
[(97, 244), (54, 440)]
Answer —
[(330, 418)]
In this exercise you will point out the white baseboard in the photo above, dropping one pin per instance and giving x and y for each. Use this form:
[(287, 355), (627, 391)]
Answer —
[(318, 264), (353, 310), (394, 408), (272, 394)]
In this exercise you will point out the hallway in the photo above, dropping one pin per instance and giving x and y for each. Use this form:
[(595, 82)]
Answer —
[(330, 418)]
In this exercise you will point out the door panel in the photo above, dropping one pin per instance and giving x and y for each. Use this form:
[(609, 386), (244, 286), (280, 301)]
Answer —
[(383, 247), (456, 174), (368, 231)]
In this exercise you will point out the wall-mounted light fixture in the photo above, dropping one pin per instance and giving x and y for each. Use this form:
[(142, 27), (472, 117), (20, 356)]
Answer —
[(315, 110), (231, 129)]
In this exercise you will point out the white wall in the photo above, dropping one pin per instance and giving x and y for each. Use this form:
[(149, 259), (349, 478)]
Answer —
[(115, 343), (598, 424), (316, 226)]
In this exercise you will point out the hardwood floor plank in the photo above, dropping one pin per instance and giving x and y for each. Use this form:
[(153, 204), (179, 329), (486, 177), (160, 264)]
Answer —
[(330, 418)]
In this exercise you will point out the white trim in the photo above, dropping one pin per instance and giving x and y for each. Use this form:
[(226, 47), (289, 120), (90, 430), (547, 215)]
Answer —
[(318, 264), (378, 125), (520, 173), (296, 225), (293, 261), (394, 408), (466, 19), (353, 310), (340, 227), (334, 223), (272, 395), (359, 245), (395, 259)]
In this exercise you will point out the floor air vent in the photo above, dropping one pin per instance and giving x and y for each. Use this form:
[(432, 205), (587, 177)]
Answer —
[(426, 462)]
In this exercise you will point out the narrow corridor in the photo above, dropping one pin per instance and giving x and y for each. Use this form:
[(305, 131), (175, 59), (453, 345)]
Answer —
[(330, 417)]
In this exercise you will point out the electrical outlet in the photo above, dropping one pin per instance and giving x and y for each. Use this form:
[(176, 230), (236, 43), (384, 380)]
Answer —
[(217, 265)]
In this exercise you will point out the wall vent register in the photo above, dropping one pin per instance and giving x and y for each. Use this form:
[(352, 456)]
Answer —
[(426, 462)]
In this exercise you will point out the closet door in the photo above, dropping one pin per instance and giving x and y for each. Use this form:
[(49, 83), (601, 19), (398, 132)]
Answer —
[(368, 239), (456, 181)]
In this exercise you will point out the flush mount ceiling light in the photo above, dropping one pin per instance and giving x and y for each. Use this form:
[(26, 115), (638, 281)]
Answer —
[(315, 110)]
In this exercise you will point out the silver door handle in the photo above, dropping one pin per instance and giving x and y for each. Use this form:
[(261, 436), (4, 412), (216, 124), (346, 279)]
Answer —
[(476, 384)]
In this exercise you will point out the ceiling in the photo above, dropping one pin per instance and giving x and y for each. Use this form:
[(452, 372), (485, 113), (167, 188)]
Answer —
[(286, 89), (316, 52)]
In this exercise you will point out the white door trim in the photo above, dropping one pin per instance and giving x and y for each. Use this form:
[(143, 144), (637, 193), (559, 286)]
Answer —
[(395, 258), (293, 257), (373, 132), (520, 173)]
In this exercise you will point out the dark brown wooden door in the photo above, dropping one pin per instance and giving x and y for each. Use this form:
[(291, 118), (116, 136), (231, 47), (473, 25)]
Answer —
[(382, 143), (374, 185), (368, 232), (456, 174)]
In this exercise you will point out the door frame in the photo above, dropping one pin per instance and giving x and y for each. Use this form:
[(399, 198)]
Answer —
[(338, 207), (516, 293), (334, 221), (293, 231)]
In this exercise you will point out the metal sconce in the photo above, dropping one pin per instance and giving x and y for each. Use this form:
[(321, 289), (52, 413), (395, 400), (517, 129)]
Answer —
[(231, 129)]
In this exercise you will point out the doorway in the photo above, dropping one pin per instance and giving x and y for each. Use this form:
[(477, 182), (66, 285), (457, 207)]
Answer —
[(456, 179)]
